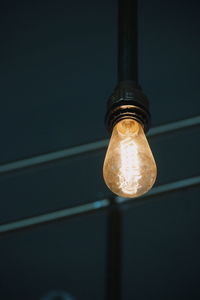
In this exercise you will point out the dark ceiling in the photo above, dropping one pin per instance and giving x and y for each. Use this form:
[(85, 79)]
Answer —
[(57, 69)]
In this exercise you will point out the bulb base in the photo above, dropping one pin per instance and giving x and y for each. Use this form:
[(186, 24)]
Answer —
[(127, 102)]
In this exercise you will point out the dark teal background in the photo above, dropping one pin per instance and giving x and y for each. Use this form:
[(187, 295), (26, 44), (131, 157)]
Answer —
[(57, 69)]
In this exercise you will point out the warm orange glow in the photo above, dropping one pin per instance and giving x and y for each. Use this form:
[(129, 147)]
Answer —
[(129, 168)]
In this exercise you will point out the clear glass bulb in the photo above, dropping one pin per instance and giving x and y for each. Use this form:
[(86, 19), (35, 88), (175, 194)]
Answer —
[(129, 168)]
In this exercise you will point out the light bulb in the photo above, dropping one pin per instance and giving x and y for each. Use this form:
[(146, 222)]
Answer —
[(129, 168)]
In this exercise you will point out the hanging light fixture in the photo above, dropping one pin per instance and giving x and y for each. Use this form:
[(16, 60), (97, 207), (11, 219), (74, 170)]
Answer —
[(129, 168)]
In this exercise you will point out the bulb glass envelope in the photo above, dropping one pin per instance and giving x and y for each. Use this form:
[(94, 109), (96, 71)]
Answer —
[(129, 168)]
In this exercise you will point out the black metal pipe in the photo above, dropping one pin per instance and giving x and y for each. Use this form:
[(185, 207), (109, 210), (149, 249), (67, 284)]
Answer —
[(113, 272), (127, 101), (127, 41)]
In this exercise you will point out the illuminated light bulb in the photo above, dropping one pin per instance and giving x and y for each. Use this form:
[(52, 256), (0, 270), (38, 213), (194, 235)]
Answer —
[(129, 168)]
